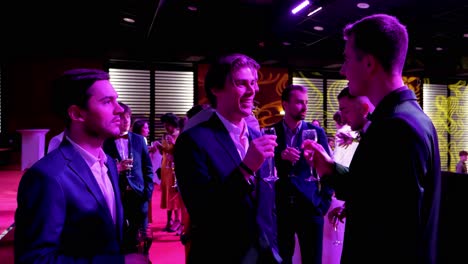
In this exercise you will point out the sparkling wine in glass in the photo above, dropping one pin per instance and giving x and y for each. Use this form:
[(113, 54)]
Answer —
[(336, 233), (271, 161), (312, 135)]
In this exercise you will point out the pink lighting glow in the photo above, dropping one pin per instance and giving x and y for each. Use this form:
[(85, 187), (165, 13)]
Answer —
[(300, 7)]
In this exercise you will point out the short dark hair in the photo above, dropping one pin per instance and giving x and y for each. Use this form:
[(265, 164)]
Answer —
[(345, 93), (286, 94), (382, 36), (137, 126), (71, 88), (220, 70), (196, 109), (171, 119), (463, 153), (338, 118), (126, 108)]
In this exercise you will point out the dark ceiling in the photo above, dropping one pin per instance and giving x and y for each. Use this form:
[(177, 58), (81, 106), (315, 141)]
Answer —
[(167, 30)]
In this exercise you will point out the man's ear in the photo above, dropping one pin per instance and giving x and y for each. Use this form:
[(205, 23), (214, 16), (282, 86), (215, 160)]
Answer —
[(75, 113), (371, 63)]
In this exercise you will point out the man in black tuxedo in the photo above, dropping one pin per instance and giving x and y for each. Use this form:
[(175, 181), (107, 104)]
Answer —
[(300, 199), (135, 177), (392, 188)]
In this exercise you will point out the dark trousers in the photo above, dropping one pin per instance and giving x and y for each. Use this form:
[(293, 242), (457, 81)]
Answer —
[(295, 216), (136, 217)]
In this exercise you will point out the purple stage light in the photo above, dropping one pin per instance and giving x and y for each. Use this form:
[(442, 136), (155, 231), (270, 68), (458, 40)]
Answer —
[(300, 7)]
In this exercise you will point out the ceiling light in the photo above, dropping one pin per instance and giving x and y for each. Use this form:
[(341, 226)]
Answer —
[(439, 49), (300, 7), (363, 5), (318, 28), (192, 8), (465, 35), (129, 20), (314, 11), (418, 48), (285, 43)]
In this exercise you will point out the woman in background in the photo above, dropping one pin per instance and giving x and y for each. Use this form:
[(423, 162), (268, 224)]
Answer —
[(170, 197)]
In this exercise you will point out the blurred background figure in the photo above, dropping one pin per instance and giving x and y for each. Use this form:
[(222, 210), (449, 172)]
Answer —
[(141, 127), (170, 196), (344, 149), (461, 165), (353, 112), (136, 177), (316, 123)]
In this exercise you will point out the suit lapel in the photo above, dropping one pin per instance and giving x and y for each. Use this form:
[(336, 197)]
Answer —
[(114, 178), (79, 166), (224, 139)]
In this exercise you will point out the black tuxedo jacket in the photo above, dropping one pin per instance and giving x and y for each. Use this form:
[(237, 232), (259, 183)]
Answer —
[(393, 185)]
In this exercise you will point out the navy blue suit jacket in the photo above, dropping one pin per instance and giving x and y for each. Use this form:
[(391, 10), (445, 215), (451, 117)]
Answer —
[(319, 201), (62, 216), (226, 219), (141, 178)]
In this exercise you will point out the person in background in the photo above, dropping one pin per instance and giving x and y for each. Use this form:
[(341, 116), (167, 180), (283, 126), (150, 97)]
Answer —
[(353, 113), (55, 141), (316, 123), (461, 165), (199, 116), (69, 206), (130, 152), (396, 167), (301, 203), (170, 196), (345, 140), (220, 170), (141, 128)]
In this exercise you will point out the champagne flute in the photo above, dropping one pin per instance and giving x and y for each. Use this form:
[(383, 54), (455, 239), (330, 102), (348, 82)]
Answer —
[(312, 135), (271, 161), (336, 234), (175, 186)]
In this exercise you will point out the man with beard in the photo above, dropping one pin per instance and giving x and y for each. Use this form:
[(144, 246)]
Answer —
[(301, 203)]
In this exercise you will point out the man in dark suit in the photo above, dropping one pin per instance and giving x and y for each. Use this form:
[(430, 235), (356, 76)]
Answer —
[(130, 152), (219, 170), (393, 185), (69, 207), (300, 199)]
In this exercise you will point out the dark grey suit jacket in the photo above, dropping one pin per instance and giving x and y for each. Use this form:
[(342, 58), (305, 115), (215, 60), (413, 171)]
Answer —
[(226, 218), (393, 186), (62, 216)]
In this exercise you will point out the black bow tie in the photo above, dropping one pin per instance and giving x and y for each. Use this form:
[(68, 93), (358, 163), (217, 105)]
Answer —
[(125, 136)]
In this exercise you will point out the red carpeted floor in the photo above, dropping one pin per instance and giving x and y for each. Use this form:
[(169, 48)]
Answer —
[(166, 248)]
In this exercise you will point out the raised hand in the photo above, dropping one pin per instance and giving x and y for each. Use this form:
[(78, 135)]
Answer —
[(259, 150), (317, 157), (291, 154)]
